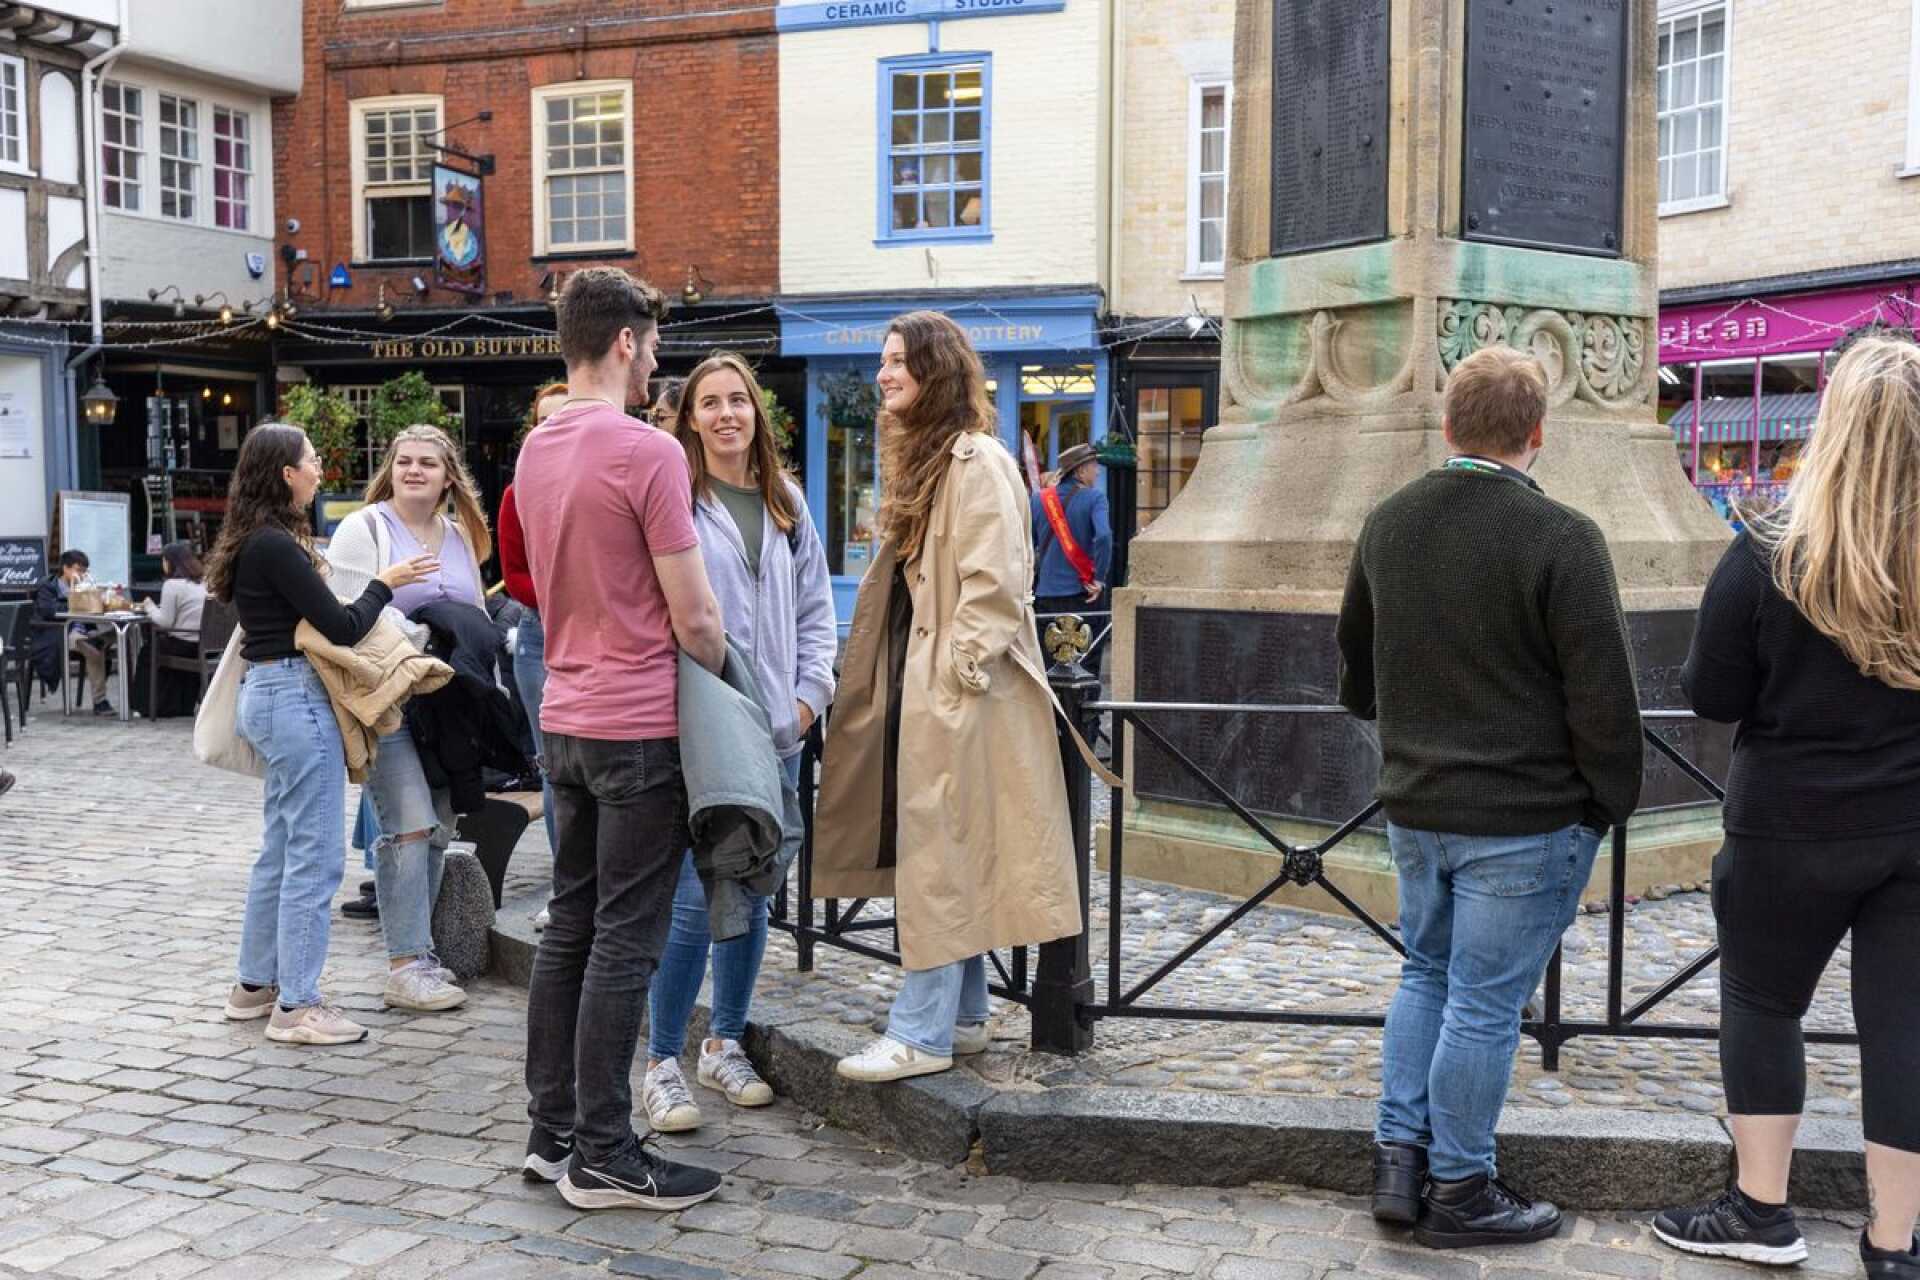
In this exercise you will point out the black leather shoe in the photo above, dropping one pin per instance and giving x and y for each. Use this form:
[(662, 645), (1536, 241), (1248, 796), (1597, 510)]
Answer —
[(1399, 1181), (1482, 1210)]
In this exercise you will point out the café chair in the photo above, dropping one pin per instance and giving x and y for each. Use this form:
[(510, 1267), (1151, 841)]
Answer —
[(217, 624), (16, 651)]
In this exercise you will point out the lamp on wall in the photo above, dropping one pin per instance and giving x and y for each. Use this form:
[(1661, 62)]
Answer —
[(226, 307), (550, 286), (419, 284), (383, 309), (691, 293), (179, 299), (99, 403)]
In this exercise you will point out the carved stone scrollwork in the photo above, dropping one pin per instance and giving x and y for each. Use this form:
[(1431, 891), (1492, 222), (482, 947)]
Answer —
[(1321, 357), (1600, 359)]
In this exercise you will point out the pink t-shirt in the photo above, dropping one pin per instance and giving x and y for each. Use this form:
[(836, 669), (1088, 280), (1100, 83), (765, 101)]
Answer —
[(599, 495)]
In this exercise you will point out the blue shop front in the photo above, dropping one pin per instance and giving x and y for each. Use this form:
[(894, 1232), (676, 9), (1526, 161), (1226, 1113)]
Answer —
[(1046, 372)]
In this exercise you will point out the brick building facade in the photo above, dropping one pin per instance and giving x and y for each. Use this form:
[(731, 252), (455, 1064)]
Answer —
[(643, 135)]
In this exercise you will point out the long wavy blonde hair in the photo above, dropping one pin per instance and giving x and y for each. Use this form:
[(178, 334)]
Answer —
[(913, 445), (1846, 543), (461, 489)]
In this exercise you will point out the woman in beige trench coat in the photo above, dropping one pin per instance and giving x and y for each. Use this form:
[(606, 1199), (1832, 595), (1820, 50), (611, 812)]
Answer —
[(942, 786)]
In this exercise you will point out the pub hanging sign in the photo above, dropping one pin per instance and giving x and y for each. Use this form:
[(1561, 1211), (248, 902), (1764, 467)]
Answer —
[(459, 231)]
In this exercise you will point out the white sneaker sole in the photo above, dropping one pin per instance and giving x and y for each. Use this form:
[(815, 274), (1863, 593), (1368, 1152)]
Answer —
[(453, 1001), (897, 1071), (1767, 1255), (307, 1035), (585, 1198), (242, 1013), (757, 1094), (545, 1170), (667, 1124)]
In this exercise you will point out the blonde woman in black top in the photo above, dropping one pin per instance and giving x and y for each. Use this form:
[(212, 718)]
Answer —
[(1809, 638)]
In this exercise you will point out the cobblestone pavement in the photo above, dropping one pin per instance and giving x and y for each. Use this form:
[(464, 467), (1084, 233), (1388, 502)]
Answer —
[(143, 1135)]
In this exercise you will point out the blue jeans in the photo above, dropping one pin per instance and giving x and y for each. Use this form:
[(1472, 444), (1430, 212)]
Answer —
[(1480, 916), (683, 966), (285, 713), (932, 1001), (530, 673), (406, 875)]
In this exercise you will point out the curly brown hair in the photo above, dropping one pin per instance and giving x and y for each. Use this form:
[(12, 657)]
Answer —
[(914, 445), (258, 498)]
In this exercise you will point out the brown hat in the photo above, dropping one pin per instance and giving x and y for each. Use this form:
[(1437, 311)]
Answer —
[(1077, 456)]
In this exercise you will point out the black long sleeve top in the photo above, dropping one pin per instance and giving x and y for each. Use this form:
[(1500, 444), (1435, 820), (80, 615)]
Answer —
[(1821, 751), (275, 587)]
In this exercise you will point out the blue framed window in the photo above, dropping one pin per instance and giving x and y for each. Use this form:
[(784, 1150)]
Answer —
[(935, 116)]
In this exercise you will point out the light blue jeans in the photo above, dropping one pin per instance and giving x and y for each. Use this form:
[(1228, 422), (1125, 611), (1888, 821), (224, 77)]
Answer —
[(1480, 916), (406, 875), (285, 713), (932, 1001), (530, 673), (683, 965)]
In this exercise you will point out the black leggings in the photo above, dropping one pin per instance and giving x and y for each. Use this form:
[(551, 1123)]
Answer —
[(1781, 908)]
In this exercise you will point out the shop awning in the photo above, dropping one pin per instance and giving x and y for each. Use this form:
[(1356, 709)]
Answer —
[(1787, 416)]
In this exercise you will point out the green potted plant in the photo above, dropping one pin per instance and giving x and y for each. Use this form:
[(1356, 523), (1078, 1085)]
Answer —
[(329, 421), (403, 402)]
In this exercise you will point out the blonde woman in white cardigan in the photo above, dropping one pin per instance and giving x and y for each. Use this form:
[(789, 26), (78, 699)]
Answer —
[(406, 516)]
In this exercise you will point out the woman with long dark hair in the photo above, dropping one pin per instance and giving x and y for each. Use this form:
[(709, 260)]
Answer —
[(176, 632), (942, 784), (264, 565), (769, 573), (1809, 639), (419, 479)]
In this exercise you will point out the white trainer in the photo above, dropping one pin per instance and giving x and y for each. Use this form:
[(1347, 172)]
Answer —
[(670, 1105), (541, 921), (970, 1038), (888, 1059), (729, 1070), (419, 987), (313, 1024)]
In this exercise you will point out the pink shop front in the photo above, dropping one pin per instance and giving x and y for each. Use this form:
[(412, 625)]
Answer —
[(1740, 381)]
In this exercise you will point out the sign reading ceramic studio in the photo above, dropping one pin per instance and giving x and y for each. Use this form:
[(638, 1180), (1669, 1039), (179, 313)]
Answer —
[(459, 237), (868, 13), (860, 329), (1546, 113)]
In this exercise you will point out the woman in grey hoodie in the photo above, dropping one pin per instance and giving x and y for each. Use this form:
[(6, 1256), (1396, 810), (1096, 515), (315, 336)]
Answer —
[(769, 572)]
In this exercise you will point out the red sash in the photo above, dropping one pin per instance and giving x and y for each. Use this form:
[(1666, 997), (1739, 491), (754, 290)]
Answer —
[(1057, 517)]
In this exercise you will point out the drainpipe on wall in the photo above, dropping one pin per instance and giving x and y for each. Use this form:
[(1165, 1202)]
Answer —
[(90, 160)]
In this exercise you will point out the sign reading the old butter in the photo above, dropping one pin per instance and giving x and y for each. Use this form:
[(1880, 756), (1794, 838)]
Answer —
[(1330, 105), (1545, 123), (538, 344)]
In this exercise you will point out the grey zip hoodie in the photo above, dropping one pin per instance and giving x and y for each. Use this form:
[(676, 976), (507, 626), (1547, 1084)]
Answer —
[(783, 619)]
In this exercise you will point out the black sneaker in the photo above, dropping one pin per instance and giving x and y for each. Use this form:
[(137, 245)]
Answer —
[(1732, 1226), (636, 1179), (547, 1155), (1399, 1180), (1482, 1210), (103, 708), (361, 909), (1887, 1264)]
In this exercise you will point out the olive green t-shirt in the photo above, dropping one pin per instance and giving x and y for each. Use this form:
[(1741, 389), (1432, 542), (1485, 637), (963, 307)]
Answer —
[(749, 514)]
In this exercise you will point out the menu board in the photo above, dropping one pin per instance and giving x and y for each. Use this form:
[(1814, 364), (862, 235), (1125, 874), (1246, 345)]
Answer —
[(99, 524), (23, 562)]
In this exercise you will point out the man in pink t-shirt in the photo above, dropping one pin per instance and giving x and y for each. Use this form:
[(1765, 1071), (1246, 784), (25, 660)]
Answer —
[(607, 510)]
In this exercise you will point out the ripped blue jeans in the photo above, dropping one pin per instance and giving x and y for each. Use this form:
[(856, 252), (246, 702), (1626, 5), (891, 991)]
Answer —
[(406, 874)]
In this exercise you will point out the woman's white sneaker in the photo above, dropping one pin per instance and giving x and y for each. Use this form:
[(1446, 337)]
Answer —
[(243, 1005), (419, 987), (888, 1059), (319, 1024), (670, 1105), (728, 1069), (970, 1038)]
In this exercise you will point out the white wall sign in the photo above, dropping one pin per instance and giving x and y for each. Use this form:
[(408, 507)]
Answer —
[(17, 427)]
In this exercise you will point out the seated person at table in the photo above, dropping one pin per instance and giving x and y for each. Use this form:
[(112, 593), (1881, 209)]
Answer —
[(49, 601), (176, 632)]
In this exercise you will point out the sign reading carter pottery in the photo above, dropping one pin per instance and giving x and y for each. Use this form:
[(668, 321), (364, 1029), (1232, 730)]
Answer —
[(459, 244)]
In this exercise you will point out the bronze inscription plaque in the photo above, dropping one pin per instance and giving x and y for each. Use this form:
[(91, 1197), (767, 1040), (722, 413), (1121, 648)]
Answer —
[(1545, 123), (1330, 104)]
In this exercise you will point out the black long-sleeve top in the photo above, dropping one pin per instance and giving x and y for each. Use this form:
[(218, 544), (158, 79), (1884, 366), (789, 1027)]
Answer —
[(275, 587), (1821, 751)]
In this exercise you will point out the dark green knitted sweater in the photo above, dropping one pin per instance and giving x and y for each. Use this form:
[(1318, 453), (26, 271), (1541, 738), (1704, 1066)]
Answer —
[(1482, 628)]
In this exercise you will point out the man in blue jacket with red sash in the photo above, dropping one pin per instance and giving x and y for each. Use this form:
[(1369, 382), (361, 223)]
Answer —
[(1073, 546)]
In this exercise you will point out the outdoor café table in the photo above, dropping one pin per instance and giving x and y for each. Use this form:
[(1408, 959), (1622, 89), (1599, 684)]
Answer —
[(125, 624)]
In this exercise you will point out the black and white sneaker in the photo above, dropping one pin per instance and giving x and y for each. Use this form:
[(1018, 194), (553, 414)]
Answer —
[(636, 1179), (1732, 1226), (547, 1155)]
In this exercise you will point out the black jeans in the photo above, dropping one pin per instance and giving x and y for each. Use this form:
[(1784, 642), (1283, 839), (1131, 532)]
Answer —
[(622, 813), (1781, 908)]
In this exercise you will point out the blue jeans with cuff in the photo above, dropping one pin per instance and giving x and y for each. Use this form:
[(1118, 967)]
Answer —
[(932, 1001), (530, 674), (1480, 916), (285, 713)]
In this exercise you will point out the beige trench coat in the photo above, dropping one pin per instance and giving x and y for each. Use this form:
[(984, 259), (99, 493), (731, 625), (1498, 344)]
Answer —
[(983, 847)]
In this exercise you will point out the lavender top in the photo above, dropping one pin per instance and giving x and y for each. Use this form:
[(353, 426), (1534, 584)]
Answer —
[(459, 576)]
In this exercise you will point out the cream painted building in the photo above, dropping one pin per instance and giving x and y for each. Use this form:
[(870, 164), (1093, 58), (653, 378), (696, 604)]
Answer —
[(953, 154), (1790, 217)]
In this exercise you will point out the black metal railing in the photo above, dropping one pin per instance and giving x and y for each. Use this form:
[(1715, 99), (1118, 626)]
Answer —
[(1062, 998)]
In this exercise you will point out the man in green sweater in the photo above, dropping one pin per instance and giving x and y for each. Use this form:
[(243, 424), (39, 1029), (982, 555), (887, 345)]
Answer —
[(1482, 628)]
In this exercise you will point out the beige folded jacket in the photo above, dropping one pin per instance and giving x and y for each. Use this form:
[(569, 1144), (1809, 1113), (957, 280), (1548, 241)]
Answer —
[(369, 684)]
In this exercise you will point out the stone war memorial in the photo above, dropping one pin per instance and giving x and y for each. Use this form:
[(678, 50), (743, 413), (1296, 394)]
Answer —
[(1411, 181)]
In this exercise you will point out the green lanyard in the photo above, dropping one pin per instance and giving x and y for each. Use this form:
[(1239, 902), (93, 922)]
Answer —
[(1474, 464)]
